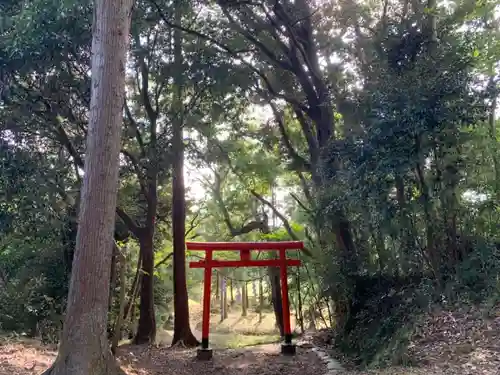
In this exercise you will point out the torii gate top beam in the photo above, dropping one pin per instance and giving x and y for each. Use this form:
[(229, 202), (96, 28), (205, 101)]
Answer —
[(236, 246)]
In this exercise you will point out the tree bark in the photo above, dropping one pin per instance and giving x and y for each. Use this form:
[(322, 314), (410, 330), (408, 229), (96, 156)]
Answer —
[(224, 313), (182, 328), (246, 295), (112, 280), (261, 296), (217, 286), (84, 347), (492, 132), (231, 291), (300, 314), (244, 299), (146, 329), (133, 289), (117, 331), (407, 240), (274, 276)]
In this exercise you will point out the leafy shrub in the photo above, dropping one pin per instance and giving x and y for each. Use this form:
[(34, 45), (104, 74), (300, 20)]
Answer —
[(382, 312)]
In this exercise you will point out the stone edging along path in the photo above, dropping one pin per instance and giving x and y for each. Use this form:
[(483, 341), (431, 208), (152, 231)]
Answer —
[(332, 365)]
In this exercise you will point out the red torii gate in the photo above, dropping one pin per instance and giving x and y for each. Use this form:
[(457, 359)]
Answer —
[(245, 261)]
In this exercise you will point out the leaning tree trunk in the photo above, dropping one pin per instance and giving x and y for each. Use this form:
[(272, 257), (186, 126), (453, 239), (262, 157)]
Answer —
[(84, 347), (117, 330), (274, 276), (112, 281), (182, 328), (133, 289), (146, 328)]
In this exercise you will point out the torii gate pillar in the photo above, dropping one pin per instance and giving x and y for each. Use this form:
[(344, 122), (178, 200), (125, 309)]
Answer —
[(244, 248)]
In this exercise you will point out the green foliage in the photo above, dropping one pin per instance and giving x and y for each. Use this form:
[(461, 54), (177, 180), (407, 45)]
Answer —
[(33, 274), (477, 278)]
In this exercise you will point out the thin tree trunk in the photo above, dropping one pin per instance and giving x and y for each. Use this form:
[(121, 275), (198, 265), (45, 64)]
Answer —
[(244, 299), (112, 281), (261, 296), (320, 311), (84, 347), (217, 286), (182, 328), (146, 329), (312, 318), (132, 295), (133, 315), (231, 290), (274, 277), (430, 222), (224, 297), (117, 331), (492, 130), (222, 307), (246, 295), (407, 241), (300, 314)]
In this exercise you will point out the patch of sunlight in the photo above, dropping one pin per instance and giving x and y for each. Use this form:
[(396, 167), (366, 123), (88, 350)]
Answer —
[(240, 341)]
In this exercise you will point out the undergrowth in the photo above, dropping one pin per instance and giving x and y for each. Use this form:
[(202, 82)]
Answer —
[(386, 308)]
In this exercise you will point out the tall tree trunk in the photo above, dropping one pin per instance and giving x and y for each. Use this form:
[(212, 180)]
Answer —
[(132, 295), (217, 286), (244, 299), (224, 297), (84, 347), (146, 329), (312, 318), (247, 296), (274, 276), (222, 307), (407, 241), (300, 314), (492, 132), (112, 280), (182, 328), (430, 222), (117, 331), (261, 296), (133, 315), (231, 291)]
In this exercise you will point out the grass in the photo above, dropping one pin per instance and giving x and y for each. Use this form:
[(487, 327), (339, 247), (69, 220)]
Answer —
[(234, 332), (235, 341)]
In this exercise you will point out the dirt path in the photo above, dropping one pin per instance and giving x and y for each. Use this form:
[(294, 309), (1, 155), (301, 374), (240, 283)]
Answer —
[(29, 358), (257, 360)]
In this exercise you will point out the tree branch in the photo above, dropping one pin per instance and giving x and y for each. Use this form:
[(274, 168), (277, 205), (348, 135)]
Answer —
[(259, 197), (261, 225), (138, 135), (192, 225), (129, 222), (298, 160), (164, 260), (232, 53), (137, 169), (283, 219)]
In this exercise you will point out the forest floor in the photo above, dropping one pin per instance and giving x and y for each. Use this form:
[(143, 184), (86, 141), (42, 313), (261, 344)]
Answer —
[(29, 357), (465, 341)]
